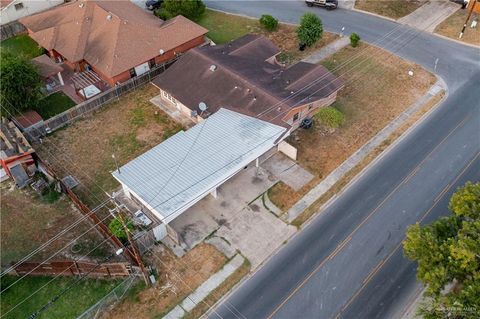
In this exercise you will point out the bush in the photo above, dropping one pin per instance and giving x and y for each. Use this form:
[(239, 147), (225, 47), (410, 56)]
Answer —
[(268, 22), (354, 39), (310, 29), (330, 116), (191, 9), (117, 229), (162, 14)]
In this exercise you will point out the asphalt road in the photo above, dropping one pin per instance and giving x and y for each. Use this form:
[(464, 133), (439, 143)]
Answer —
[(348, 261)]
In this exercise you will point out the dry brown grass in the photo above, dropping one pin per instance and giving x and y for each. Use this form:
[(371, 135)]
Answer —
[(376, 91), (452, 26), (283, 196), (127, 128), (221, 290), (335, 189), (28, 221), (183, 275), (394, 9)]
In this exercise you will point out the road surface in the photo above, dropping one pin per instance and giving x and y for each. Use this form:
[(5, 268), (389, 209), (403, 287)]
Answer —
[(348, 261)]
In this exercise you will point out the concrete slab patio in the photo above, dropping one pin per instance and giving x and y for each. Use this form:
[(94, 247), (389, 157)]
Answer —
[(288, 171)]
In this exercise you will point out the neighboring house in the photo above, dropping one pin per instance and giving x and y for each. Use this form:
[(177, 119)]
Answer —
[(15, 154), (244, 76), (12, 10), (115, 39), (173, 176)]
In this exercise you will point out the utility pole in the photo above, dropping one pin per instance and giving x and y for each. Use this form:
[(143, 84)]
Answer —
[(468, 18)]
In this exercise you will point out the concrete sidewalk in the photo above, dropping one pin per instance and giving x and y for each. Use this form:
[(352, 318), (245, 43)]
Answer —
[(360, 154), (327, 50), (430, 15)]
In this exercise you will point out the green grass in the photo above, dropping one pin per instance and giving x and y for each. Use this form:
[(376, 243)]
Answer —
[(225, 27), (70, 305), (54, 104), (22, 45), (330, 116)]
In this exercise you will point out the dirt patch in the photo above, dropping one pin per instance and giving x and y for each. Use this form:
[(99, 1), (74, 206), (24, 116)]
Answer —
[(28, 221), (127, 128), (394, 9), (178, 277), (376, 91), (452, 26)]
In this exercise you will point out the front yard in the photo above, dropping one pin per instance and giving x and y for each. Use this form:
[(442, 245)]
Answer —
[(226, 27), (394, 9), (376, 91), (22, 45), (127, 128), (452, 26), (70, 305)]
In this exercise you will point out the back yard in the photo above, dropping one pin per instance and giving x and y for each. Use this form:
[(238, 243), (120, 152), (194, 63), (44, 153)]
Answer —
[(54, 104), (28, 220), (22, 45), (394, 9), (452, 26), (127, 128), (225, 27), (376, 91)]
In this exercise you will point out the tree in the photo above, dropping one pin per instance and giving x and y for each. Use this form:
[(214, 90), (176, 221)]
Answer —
[(191, 9), (354, 39), (20, 83), (310, 29), (448, 255), (117, 229), (268, 22)]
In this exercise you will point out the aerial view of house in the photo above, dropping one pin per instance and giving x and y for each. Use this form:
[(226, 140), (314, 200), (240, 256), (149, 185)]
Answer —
[(244, 76)]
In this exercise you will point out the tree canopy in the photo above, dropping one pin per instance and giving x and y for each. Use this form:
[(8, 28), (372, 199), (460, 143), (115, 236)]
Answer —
[(310, 29), (20, 83), (191, 9), (448, 256)]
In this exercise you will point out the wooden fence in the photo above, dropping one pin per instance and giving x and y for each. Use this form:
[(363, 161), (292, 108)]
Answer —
[(11, 29), (93, 104), (76, 268)]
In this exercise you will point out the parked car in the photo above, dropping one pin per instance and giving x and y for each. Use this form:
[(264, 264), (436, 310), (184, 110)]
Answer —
[(329, 4), (153, 4)]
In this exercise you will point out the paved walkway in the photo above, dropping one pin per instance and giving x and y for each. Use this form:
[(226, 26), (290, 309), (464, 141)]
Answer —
[(205, 289), (360, 154), (327, 50), (431, 14)]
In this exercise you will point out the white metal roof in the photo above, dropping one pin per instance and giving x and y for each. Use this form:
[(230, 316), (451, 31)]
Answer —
[(177, 173)]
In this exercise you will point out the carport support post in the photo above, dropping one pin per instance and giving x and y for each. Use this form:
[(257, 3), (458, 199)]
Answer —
[(60, 78), (214, 192), (256, 163)]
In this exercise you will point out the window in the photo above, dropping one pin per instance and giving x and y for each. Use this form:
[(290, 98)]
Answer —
[(169, 97), (19, 6), (152, 63), (295, 117), (132, 73)]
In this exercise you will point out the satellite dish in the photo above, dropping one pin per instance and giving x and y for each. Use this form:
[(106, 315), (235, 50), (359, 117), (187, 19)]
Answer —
[(161, 51), (202, 106)]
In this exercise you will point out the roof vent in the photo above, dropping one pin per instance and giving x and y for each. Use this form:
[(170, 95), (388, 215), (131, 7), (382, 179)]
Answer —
[(109, 17), (81, 5), (213, 67)]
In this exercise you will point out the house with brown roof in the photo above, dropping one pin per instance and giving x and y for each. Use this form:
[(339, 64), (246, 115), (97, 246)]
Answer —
[(115, 39), (245, 76)]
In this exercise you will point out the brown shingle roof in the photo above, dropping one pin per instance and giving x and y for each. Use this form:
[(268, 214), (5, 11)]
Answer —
[(113, 36), (46, 67), (246, 79)]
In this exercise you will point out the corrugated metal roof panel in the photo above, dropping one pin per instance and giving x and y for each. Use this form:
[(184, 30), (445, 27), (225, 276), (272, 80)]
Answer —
[(178, 172)]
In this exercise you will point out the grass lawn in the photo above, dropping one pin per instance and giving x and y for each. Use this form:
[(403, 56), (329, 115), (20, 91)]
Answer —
[(54, 104), (226, 27), (29, 220), (452, 26), (375, 92), (70, 305), (394, 9), (127, 128), (22, 45), (182, 275)]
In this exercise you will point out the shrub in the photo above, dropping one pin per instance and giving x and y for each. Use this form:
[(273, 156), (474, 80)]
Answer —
[(117, 229), (354, 39), (330, 116), (310, 29), (191, 9), (162, 14), (268, 22)]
